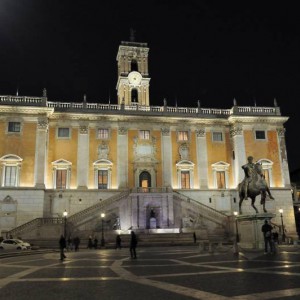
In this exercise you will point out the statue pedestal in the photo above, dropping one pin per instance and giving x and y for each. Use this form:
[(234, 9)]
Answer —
[(152, 223), (249, 228)]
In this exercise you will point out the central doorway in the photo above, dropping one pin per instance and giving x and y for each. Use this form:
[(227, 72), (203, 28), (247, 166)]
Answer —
[(145, 180)]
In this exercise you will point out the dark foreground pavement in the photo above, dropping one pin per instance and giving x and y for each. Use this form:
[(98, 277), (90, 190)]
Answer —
[(158, 273)]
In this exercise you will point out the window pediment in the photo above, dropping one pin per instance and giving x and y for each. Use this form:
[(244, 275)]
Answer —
[(11, 158), (220, 166)]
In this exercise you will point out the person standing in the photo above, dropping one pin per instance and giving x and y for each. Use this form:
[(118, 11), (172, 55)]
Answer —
[(118, 242), (194, 237), (76, 243), (133, 244), (267, 232), (90, 243), (62, 246)]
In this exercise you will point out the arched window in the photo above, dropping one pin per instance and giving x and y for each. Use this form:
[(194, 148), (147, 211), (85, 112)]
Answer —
[(185, 174), (11, 165), (102, 174), (220, 175), (267, 166), (134, 65), (134, 95), (61, 174), (145, 179)]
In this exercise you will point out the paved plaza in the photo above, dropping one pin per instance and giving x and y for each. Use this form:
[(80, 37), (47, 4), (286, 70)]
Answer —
[(157, 273)]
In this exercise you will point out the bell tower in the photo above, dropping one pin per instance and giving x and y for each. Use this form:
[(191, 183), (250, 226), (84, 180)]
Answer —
[(133, 78)]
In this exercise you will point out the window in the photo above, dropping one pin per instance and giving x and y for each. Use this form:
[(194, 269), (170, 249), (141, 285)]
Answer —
[(134, 95), (61, 179), (221, 180), (102, 179), (102, 133), (260, 135), (14, 127), (102, 173), (185, 171), (267, 166), (144, 134), (220, 175), (134, 65), (11, 165), (183, 135), (63, 132), (10, 176), (185, 179), (217, 137), (61, 174)]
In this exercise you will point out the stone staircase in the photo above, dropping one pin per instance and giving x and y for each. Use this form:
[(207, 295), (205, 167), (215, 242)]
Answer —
[(75, 219), (144, 240)]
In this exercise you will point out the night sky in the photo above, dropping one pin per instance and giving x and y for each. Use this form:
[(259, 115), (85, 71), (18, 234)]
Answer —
[(199, 50)]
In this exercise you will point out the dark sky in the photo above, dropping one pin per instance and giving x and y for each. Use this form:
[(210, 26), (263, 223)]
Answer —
[(199, 50)]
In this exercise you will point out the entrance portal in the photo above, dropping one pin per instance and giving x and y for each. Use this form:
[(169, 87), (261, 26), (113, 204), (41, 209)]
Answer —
[(145, 180)]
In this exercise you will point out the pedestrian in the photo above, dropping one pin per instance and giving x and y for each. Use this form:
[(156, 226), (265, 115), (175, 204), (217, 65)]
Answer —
[(62, 246), (95, 243), (194, 237), (133, 244), (267, 232), (70, 244), (90, 243), (76, 243), (275, 240), (118, 242)]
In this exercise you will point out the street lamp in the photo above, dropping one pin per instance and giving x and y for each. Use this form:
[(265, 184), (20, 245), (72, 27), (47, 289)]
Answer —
[(283, 231), (237, 237), (65, 223), (102, 239)]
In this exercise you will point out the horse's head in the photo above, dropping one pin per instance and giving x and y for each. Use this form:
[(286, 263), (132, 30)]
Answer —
[(258, 168)]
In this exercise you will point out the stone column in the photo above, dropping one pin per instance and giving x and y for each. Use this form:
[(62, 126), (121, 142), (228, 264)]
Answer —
[(283, 158), (166, 157), (83, 157), (236, 134), (202, 158), (122, 148), (41, 153)]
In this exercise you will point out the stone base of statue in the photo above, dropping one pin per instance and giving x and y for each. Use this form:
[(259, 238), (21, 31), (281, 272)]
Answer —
[(249, 228), (152, 223)]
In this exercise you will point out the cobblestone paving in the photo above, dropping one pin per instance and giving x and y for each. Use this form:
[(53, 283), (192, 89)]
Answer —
[(158, 273)]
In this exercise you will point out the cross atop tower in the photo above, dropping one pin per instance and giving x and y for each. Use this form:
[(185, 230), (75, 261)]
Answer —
[(132, 35)]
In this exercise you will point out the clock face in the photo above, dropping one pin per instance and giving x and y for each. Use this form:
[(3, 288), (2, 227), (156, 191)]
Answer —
[(134, 78)]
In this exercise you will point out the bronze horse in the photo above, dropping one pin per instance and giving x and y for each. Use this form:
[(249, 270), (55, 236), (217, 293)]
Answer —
[(257, 186)]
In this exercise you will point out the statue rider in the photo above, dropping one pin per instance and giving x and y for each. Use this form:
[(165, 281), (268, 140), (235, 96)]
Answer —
[(249, 169)]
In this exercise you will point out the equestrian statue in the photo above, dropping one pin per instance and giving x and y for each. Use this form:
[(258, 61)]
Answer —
[(254, 184)]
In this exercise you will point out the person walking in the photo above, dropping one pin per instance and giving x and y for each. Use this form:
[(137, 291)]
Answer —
[(118, 242), (194, 237), (62, 246), (267, 232), (95, 243), (133, 244)]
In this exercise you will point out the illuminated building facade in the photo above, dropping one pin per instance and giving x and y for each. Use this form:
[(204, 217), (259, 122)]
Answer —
[(131, 158)]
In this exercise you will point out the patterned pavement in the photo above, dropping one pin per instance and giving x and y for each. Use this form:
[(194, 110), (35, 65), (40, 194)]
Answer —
[(158, 273)]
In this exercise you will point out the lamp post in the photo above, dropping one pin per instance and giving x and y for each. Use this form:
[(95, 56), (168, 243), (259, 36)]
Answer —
[(283, 231), (102, 239), (237, 237), (65, 223)]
